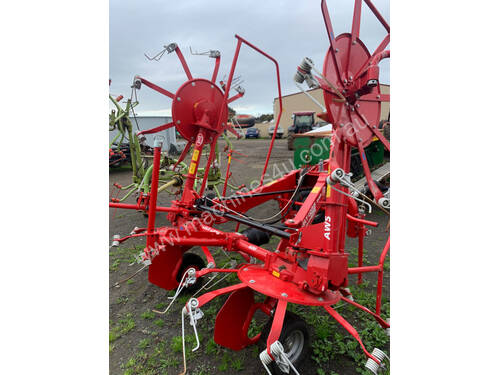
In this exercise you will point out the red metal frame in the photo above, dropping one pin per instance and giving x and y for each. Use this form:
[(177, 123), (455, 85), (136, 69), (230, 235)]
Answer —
[(281, 274)]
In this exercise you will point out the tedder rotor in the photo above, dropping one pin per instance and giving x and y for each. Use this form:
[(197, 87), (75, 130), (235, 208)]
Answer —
[(199, 93), (318, 208)]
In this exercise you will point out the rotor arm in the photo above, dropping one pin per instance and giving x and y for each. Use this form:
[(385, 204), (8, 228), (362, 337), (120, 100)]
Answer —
[(331, 36), (378, 15), (216, 68), (356, 23), (376, 132), (157, 129), (375, 59), (379, 50), (344, 323), (139, 80), (373, 97), (235, 97), (183, 62)]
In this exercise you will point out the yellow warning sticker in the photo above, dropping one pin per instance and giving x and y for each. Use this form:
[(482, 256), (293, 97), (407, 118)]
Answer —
[(315, 189), (276, 274), (192, 168), (328, 189), (196, 153)]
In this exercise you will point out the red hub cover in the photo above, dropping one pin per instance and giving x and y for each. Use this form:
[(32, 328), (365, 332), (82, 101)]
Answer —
[(260, 279), (196, 105), (355, 111)]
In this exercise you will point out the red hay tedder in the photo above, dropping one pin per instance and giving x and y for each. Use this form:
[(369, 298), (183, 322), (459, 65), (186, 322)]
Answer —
[(309, 266)]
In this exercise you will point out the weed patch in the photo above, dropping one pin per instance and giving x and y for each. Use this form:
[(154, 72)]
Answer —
[(122, 327)]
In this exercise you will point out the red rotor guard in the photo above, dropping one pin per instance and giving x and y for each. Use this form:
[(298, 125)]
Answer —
[(233, 320), (165, 266)]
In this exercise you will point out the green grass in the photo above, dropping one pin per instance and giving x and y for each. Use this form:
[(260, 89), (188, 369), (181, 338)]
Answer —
[(123, 255), (144, 343), (176, 344), (255, 328), (151, 360), (122, 299), (190, 341), (237, 364), (224, 365), (202, 370), (122, 327), (211, 347), (387, 264), (159, 322), (148, 315), (160, 306)]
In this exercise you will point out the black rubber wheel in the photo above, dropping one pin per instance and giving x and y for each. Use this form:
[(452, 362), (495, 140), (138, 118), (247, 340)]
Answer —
[(191, 260), (294, 338)]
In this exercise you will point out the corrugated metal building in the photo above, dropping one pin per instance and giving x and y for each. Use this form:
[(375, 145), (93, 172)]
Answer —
[(149, 122), (299, 101)]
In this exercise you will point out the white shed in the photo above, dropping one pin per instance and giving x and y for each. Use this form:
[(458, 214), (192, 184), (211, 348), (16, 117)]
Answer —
[(149, 122)]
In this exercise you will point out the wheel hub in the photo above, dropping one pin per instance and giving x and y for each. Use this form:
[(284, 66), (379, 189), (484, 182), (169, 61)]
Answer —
[(293, 345)]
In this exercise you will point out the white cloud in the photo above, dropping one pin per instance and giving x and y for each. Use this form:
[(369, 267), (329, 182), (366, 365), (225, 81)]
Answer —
[(286, 30)]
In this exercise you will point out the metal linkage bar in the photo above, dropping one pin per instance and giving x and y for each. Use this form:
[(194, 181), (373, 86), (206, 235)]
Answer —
[(251, 223)]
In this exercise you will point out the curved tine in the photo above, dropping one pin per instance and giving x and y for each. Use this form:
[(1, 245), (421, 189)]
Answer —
[(156, 57)]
